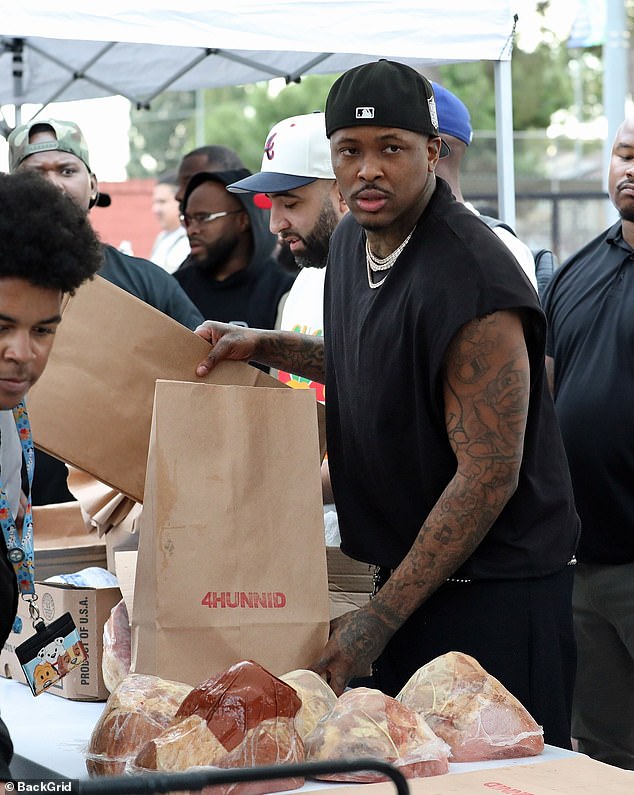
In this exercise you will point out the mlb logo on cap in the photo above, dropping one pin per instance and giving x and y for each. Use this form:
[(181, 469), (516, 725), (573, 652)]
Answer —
[(364, 113)]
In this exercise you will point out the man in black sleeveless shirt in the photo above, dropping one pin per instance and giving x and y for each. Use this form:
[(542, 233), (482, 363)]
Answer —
[(447, 464)]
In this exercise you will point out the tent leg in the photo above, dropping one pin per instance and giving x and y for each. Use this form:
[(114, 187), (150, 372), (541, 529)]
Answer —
[(504, 137)]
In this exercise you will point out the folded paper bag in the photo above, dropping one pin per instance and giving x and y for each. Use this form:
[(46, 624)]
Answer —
[(92, 407)]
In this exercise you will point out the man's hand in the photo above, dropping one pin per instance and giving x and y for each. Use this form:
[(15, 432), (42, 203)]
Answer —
[(301, 354), (356, 639), (227, 342)]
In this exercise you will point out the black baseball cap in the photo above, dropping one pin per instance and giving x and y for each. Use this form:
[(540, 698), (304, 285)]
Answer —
[(383, 94)]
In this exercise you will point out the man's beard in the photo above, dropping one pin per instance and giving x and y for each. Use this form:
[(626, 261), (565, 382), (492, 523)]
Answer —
[(216, 256), (317, 241), (626, 213)]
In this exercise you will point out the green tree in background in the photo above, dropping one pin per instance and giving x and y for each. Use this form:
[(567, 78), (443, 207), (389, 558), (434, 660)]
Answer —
[(158, 135), (235, 116), (541, 85)]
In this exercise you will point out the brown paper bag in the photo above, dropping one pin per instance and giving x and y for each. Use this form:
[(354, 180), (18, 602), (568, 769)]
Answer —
[(232, 558), (92, 407), (102, 507)]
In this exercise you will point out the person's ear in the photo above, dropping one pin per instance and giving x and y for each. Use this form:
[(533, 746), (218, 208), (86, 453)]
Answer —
[(244, 221), (433, 152), (94, 191), (338, 202), (341, 203)]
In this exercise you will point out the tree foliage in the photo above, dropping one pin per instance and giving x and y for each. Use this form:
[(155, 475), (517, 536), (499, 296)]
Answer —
[(235, 116), (541, 85), (158, 136)]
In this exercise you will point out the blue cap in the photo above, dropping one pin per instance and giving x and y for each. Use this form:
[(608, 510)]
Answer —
[(453, 116)]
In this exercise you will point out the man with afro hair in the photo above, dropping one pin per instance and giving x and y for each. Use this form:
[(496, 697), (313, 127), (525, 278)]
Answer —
[(47, 249)]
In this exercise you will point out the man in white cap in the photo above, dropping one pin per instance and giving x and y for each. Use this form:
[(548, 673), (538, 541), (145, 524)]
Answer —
[(306, 207)]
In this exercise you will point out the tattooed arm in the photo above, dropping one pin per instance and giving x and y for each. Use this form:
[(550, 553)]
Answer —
[(486, 388), (300, 354)]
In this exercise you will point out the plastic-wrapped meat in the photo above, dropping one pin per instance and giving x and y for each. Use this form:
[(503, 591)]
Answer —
[(367, 723), (317, 697), (244, 717), (188, 743), (115, 662), (471, 710), (139, 708)]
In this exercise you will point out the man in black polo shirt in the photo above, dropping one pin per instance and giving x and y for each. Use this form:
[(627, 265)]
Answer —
[(447, 465), (590, 309)]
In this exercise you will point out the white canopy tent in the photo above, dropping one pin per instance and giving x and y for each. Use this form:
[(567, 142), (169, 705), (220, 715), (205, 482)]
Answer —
[(78, 50)]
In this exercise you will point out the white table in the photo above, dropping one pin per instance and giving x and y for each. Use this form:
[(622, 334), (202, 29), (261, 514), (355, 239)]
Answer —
[(54, 732), (47, 729)]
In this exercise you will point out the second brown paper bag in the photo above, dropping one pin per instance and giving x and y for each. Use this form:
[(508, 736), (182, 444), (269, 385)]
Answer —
[(231, 561), (92, 407)]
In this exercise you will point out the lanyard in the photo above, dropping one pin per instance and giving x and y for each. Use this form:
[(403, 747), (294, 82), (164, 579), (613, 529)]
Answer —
[(20, 547)]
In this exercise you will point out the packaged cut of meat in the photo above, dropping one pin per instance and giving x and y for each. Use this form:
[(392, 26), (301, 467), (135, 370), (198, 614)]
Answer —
[(188, 743), (367, 723), (316, 695), (115, 661), (138, 709), (471, 710), (249, 716)]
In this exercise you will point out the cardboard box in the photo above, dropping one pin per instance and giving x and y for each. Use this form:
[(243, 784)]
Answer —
[(120, 539), (341, 602), (62, 543), (577, 775), (350, 582), (346, 574), (90, 608)]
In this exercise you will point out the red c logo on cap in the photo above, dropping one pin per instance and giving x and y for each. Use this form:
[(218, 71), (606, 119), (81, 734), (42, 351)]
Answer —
[(268, 147)]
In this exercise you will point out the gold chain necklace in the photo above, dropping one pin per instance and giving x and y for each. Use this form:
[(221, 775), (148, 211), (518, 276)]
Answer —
[(376, 264)]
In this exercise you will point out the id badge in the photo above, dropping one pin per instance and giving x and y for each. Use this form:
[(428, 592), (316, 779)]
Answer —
[(51, 653)]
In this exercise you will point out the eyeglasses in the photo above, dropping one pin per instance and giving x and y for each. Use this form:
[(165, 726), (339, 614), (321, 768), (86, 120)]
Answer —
[(204, 218)]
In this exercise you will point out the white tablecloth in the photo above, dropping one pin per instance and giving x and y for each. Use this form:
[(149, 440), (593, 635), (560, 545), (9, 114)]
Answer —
[(47, 729)]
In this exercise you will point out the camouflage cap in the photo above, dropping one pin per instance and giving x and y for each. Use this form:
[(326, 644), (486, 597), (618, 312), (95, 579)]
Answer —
[(69, 139)]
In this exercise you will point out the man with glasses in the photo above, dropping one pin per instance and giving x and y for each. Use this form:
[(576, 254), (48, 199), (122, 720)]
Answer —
[(231, 273)]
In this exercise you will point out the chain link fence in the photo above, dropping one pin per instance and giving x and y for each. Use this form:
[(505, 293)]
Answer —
[(560, 200)]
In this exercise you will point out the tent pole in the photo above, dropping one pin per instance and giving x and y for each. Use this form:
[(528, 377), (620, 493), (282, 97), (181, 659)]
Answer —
[(504, 138), (615, 85)]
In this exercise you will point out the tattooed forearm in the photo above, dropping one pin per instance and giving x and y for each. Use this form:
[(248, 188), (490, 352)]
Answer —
[(300, 354), (454, 528)]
